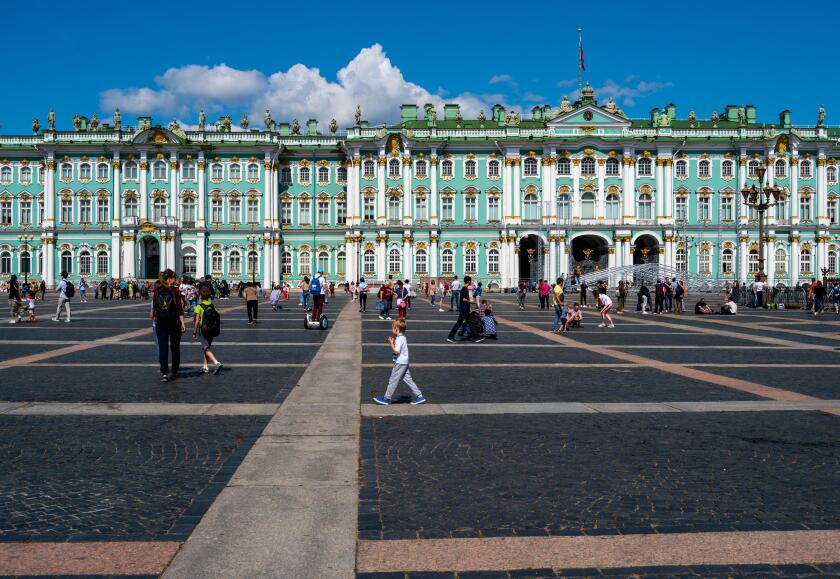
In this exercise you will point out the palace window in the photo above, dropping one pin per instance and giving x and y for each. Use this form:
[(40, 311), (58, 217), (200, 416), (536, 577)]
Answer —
[(805, 261), (727, 169), (369, 209), (159, 209), (704, 208), (102, 263), (286, 263), (831, 174), (340, 212), (286, 212), (26, 174), (253, 209), (159, 170), (530, 167), (727, 208), (84, 171), (66, 172), (470, 169), (645, 167), (26, 212), (564, 166), (563, 206), (394, 261), (471, 261), (216, 212), (304, 217), (727, 261), (190, 262), (67, 261), (587, 205), (304, 263), (5, 263), (103, 210), (84, 263), (446, 168), (805, 169), (130, 170), (493, 168), (303, 175), (494, 212), (67, 211), (188, 210), (368, 168), (781, 208), (530, 208), (447, 261), (752, 169), (253, 171), (131, 207), (188, 171), (587, 167), (420, 261), (216, 261), (681, 208), (612, 167), (613, 206), (84, 210), (5, 212), (341, 262), (752, 214), (234, 212), (470, 208), (394, 210), (235, 172), (6, 174), (780, 169), (781, 261), (102, 171), (323, 212), (680, 168), (832, 211), (420, 169), (805, 208), (832, 262), (216, 171), (323, 175), (286, 175), (680, 260), (645, 206), (234, 263), (25, 262), (493, 261), (420, 205), (253, 263), (341, 175), (369, 262), (704, 168), (752, 261), (705, 261), (446, 205), (394, 168)]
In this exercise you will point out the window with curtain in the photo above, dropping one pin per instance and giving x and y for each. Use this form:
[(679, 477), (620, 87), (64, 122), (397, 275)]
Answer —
[(286, 263), (727, 208), (394, 168), (369, 209), (66, 210), (645, 206), (341, 262), (84, 263), (494, 212), (420, 261), (304, 264), (216, 262), (704, 168), (103, 210), (530, 207), (235, 172), (340, 212), (493, 169), (587, 205), (530, 167), (587, 167), (394, 261), (324, 261), (805, 208), (420, 169), (369, 262), (254, 263), (446, 205), (563, 206), (805, 261), (447, 261), (6, 212), (612, 167), (159, 170), (26, 212), (216, 171), (216, 212), (131, 207), (470, 168), (159, 209), (470, 208), (102, 171), (67, 261), (190, 262), (752, 261), (253, 171), (471, 261), (681, 208), (704, 208), (323, 212), (26, 175), (493, 261), (645, 167), (420, 208), (130, 170), (304, 213), (85, 210), (66, 172), (705, 261), (188, 210), (680, 260), (394, 210), (727, 169), (781, 261), (102, 263), (234, 263), (286, 212), (613, 206), (323, 175), (188, 171), (564, 166), (84, 171), (234, 211)]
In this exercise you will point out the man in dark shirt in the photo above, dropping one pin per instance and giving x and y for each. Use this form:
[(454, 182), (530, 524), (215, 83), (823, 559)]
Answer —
[(15, 304), (465, 301)]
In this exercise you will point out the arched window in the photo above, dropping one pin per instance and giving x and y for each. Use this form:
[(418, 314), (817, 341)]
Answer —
[(323, 175), (235, 172), (216, 171), (67, 261), (234, 263), (25, 262), (368, 168), (286, 175), (587, 166), (253, 263), (66, 172), (613, 206), (103, 210), (304, 263), (102, 171), (587, 205), (394, 209), (369, 262), (159, 170), (253, 171), (705, 261), (752, 169), (680, 168), (446, 168), (471, 261), (188, 170), (131, 207), (447, 261), (680, 260), (159, 209), (530, 207), (780, 169), (341, 262), (84, 171), (493, 168), (190, 262), (130, 170), (727, 261), (781, 261), (805, 261), (830, 174), (420, 261), (530, 167), (564, 166), (645, 167), (394, 261), (102, 263), (704, 168), (805, 169), (752, 261), (188, 210), (645, 206), (563, 206), (286, 263), (493, 261), (303, 175), (394, 168), (26, 174), (216, 262), (727, 169), (5, 263), (420, 169), (612, 167), (84, 263), (470, 168), (324, 261), (341, 175)]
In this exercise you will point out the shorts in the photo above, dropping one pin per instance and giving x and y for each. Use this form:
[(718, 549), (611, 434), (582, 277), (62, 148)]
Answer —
[(205, 342), (606, 309)]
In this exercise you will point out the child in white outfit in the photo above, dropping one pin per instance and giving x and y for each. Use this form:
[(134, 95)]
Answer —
[(399, 353)]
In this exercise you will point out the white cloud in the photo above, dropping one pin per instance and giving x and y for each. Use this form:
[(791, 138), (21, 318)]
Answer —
[(627, 94), (497, 78), (370, 79)]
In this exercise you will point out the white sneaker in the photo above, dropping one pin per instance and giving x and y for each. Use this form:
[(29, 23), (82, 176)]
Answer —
[(56, 320), (12, 321), (602, 325), (611, 326), (67, 321)]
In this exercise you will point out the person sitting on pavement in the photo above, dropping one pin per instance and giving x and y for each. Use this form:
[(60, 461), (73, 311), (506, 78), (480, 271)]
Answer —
[(729, 308), (700, 308), (574, 317), (489, 324)]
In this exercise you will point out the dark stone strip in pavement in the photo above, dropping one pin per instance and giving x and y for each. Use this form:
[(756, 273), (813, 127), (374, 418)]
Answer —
[(99, 558), (136, 409)]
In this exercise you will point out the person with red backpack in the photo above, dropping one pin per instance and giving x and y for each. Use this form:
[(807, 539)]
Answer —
[(386, 294), (168, 316)]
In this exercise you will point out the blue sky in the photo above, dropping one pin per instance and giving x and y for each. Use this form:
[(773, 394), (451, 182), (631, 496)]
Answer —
[(320, 59)]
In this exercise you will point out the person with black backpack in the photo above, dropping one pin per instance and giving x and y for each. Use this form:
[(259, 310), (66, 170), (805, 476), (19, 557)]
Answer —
[(207, 325), (65, 292), (168, 316)]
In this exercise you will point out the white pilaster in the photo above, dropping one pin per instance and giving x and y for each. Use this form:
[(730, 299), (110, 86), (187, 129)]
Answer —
[(575, 201), (794, 191), (669, 190), (144, 187), (381, 215), (48, 219), (129, 258), (434, 256), (822, 191), (434, 202), (116, 196), (794, 257), (516, 192), (628, 194), (743, 256), (116, 270), (201, 252), (742, 180), (199, 222), (660, 191), (602, 194), (174, 182)]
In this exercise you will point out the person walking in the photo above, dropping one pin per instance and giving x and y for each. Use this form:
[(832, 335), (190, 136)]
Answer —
[(545, 289), (400, 371), (621, 294), (65, 292), (559, 304), (168, 317), (401, 293), (317, 289), (466, 300), (679, 295), (43, 289), (15, 302), (819, 297), (454, 296), (362, 288), (659, 297), (385, 296), (521, 292), (249, 294), (83, 286), (583, 287), (303, 286), (207, 324)]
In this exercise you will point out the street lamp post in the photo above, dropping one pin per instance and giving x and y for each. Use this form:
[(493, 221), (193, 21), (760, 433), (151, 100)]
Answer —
[(761, 198), (25, 240), (252, 245)]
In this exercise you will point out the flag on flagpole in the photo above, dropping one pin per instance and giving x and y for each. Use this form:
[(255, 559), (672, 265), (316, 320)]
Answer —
[(580, 46)]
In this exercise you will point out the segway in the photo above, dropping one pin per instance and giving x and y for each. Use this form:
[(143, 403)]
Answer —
[(321, 323)]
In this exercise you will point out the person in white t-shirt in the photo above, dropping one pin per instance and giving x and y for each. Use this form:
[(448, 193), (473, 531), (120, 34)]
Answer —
[(605, 304), (400, 371), (454, 294)]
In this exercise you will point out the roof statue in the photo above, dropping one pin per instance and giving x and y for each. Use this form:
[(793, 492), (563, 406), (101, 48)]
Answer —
[(295, 127), (664, 120), (117, 119), (94, 122), (36, 126), (244, 122), (821, 116), (742, 117), (202, 120), (358, 115), (566, 105), (692, 118), (174, 125), (333, 126), (77, 122), (268, 121), (715, 118), (51, 121), (481, 116)]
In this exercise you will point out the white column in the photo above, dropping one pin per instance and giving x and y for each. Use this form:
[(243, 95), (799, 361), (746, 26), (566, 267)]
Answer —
[(515, 191), (269, 198), (550, 174), (611, 256), (770, 260), (49, 249), (564, 259), (794, 191), (49, 196), (434, 257), (381, 262), (794, 257), (380, 189), (628, 251), (116, 197), (434, 202), (201, 253), (116, 271), (201, 202), (129, 259), (743, 256), (575, 201), (507, 196), (821, 255), (660, 191), (174, 181), (353, 200), (408, 194), (602, 195), (669, 190), (267, 262), (552, 258), (742, 180), (669, 251), (144, 187), (822, 191)]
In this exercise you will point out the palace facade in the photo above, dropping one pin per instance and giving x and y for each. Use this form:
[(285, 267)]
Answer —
[(572, 188)]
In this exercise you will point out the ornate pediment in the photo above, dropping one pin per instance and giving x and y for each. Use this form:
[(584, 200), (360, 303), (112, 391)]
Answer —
[(157, 136), (588, 116)]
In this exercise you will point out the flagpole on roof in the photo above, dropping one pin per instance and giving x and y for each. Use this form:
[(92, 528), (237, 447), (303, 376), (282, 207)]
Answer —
[(580, 63)]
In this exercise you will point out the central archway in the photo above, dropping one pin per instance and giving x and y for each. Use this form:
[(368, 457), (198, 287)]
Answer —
[(530, 258), (149, 257), (588, 253), (645, 250)]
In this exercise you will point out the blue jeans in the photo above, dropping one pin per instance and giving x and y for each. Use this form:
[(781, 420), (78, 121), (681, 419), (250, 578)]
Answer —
[(559, 316), (453, 299)]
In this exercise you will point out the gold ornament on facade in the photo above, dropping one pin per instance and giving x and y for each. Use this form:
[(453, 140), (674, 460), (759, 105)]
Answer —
[(144, 165), (200, 165), (806, 245), (406, 161), (173, 165), (602, 162), (51, 165), (575, 162), (820, 162)]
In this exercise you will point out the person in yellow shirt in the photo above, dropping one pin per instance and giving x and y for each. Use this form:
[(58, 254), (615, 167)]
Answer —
[(206, 326), (558, 300)]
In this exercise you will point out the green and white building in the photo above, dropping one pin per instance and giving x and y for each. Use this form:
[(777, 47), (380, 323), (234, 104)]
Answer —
[(572, 188)]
